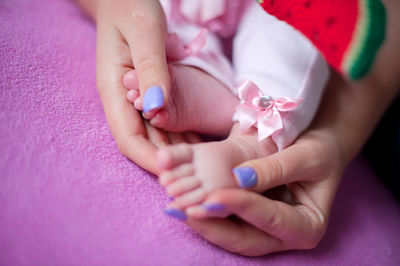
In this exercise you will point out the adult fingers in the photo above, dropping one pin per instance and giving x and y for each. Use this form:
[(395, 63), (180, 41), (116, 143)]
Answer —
[(301, 161), (236, 236), (298, 227), (146, 33), (125, 122)]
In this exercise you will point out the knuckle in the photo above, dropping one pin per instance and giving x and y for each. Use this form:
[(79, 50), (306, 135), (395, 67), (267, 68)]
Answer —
[(275, 169), (269, 172), (145, 64), (151, 20), (319, 224), (149, 68), (273, 223)]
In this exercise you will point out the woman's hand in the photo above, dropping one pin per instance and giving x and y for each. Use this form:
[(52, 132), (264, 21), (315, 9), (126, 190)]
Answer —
[(297, 220), (312, 168), (131, 34)]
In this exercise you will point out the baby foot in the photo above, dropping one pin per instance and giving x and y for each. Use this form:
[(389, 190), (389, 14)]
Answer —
[(190, 172), (198, 102)]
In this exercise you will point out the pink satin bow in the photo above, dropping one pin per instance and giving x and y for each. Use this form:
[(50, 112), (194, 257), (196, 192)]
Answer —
[(176, 50), (261, 111)]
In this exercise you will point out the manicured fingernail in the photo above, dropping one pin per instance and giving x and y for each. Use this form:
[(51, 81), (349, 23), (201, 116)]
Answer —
[(176, 213), (246, 176), (214, 207), (153, 98), (170, 198)]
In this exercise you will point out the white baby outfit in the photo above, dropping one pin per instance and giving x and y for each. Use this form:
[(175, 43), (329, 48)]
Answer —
[(266, 51)]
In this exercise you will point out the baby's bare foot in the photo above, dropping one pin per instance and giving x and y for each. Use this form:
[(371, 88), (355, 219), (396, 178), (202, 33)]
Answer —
[(198, 103), (190, 172)]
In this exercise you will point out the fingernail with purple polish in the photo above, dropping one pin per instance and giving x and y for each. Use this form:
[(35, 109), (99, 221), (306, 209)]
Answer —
[(246, 176), (170, 198), (176, 213), (153, 98), (213, 207)]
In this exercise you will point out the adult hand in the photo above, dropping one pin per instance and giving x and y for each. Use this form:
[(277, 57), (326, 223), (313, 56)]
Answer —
[(132, 34), (312, 168)]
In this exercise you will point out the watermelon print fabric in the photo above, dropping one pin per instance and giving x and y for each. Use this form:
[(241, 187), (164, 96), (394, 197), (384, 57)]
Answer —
[(348, 33)]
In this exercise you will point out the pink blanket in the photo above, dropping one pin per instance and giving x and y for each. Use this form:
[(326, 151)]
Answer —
[(68, 197)]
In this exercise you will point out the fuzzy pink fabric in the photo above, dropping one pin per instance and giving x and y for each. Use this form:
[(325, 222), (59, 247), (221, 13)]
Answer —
[(68, 197)]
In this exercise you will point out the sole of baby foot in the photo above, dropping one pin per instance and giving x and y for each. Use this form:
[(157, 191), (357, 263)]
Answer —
[(198, 102)]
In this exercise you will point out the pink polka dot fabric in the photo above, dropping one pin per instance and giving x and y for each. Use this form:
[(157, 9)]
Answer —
[(68, 197)]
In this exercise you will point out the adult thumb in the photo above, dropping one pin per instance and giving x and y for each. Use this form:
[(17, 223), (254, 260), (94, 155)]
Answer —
[(284, 167), (146, 38)]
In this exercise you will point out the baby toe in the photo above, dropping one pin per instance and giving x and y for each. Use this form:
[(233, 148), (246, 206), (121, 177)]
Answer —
[(160, 119), (132, 95), (183, 185), (190, 198), (183, 170), (130, 80), (173, 156), (138, 104)]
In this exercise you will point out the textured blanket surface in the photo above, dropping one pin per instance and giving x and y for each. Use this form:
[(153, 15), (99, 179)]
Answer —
[(68, 197)]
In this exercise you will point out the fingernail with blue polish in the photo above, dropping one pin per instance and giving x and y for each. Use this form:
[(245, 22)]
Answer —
[(153, 98), (176, 213), (214, 207), (246, 176)]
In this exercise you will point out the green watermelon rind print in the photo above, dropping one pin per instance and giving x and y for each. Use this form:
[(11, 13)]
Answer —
[(369, 35)]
